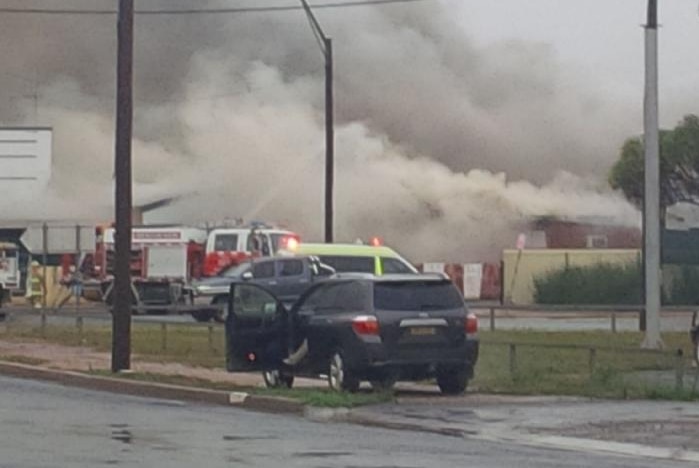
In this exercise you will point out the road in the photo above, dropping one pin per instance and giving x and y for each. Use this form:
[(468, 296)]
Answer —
[(44, 425), (573, 323), (659, 429)]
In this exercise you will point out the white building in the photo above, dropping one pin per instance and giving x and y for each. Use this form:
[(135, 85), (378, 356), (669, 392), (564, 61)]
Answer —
[(25, 162)]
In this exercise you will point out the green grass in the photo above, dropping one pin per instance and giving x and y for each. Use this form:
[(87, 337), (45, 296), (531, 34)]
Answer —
[(329, 398), (621, 368)]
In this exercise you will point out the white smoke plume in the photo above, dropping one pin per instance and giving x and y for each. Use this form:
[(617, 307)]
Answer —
[(443, 149)]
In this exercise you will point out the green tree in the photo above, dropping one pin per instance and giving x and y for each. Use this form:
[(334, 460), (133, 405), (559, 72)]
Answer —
[(679, 165)]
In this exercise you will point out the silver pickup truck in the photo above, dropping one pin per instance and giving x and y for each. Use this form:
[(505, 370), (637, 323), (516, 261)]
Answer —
[(285, 277)]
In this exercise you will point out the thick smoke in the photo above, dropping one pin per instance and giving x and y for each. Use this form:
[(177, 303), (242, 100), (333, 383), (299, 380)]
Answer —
[(432, 131)]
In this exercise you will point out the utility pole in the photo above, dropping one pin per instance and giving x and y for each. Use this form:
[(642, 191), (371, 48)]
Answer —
[(121, 315), (326, 47), (651, 205)]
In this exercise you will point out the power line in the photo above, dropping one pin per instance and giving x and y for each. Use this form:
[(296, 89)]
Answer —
[(268, 9)]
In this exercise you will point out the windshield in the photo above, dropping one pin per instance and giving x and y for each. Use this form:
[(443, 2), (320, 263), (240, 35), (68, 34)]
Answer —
[(395, 265), (236, 270), (347, 264), (277, 241), (416, 295)]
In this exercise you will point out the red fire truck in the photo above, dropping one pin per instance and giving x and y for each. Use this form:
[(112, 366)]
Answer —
[(10, 276), (165, 259)]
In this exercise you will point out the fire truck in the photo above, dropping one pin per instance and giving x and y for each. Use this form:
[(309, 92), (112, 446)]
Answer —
[(226, 247), (10, 275), (165, 259)]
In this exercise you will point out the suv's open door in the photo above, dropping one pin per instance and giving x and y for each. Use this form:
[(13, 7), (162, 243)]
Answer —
[(256, 329)]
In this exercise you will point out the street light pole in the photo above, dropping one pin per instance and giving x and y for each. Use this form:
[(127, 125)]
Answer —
[(651, 205), (121, 292), (326, 47)]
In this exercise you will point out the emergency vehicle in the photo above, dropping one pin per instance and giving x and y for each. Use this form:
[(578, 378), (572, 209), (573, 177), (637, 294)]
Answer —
[(164, 259), (10, 275), (226, 247)]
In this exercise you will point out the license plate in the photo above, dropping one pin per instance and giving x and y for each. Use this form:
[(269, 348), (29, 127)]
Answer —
[(422, 331)]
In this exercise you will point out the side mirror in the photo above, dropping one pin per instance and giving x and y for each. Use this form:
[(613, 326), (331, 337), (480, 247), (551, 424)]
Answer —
[(247, 276)]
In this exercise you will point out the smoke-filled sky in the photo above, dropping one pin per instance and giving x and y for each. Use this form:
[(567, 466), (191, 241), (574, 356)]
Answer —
[(457, 120)]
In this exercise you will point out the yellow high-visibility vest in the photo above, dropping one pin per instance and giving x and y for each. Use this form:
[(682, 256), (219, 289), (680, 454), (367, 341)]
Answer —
[(36, 286)]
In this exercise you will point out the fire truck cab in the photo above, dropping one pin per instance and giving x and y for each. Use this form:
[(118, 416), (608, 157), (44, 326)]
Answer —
[(226, 247)]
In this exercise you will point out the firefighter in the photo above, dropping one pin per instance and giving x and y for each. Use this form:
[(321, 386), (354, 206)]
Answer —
[(37, 288), (259, 246)]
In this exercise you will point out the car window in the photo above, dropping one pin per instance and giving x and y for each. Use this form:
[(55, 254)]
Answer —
[(417, 295), (253, 305), (394, 265), (290, 267), (350, 297), (323, 299), (349, 264), (276, 240), (237, 270), (263, 270), (258, 243), (226, 242)]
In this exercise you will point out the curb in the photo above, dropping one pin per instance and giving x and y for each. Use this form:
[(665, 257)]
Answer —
[(242, 400)]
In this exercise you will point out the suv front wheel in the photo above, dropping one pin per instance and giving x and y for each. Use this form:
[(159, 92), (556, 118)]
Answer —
[(452, 381), (339, 377), (221, 312)]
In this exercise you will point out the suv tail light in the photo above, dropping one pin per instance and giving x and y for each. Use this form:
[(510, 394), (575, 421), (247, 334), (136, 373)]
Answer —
[(471, 324), (365, 325)]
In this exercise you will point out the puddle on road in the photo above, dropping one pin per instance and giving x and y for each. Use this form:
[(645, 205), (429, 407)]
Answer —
[(234, 438), (323, 454), (121, 433)]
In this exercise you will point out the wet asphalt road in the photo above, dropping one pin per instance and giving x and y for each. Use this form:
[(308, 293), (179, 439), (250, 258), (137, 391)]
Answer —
[(44, 425)]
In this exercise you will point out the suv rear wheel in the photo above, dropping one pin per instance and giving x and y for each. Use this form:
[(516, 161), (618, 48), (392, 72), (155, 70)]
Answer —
[(452, 381), (339, 377), (277, 379)]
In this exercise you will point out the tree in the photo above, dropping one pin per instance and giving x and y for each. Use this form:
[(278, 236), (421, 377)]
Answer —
[(679, 166)]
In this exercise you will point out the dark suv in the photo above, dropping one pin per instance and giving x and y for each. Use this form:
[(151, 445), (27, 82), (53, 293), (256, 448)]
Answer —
[(356, 327)]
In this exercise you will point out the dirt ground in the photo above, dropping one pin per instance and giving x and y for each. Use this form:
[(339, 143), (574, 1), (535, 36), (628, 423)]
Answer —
[(84, 359)]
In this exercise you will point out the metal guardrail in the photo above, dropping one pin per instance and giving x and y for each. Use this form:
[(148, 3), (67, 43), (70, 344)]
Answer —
[(104, 309), (583, 311), (493, 311), (100, 314), (80, 319)]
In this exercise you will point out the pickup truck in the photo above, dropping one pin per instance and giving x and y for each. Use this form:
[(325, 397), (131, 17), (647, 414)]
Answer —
[(286, 277)]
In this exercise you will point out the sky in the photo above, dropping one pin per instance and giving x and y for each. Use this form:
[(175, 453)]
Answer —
[(457, 121), (602, 40)]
